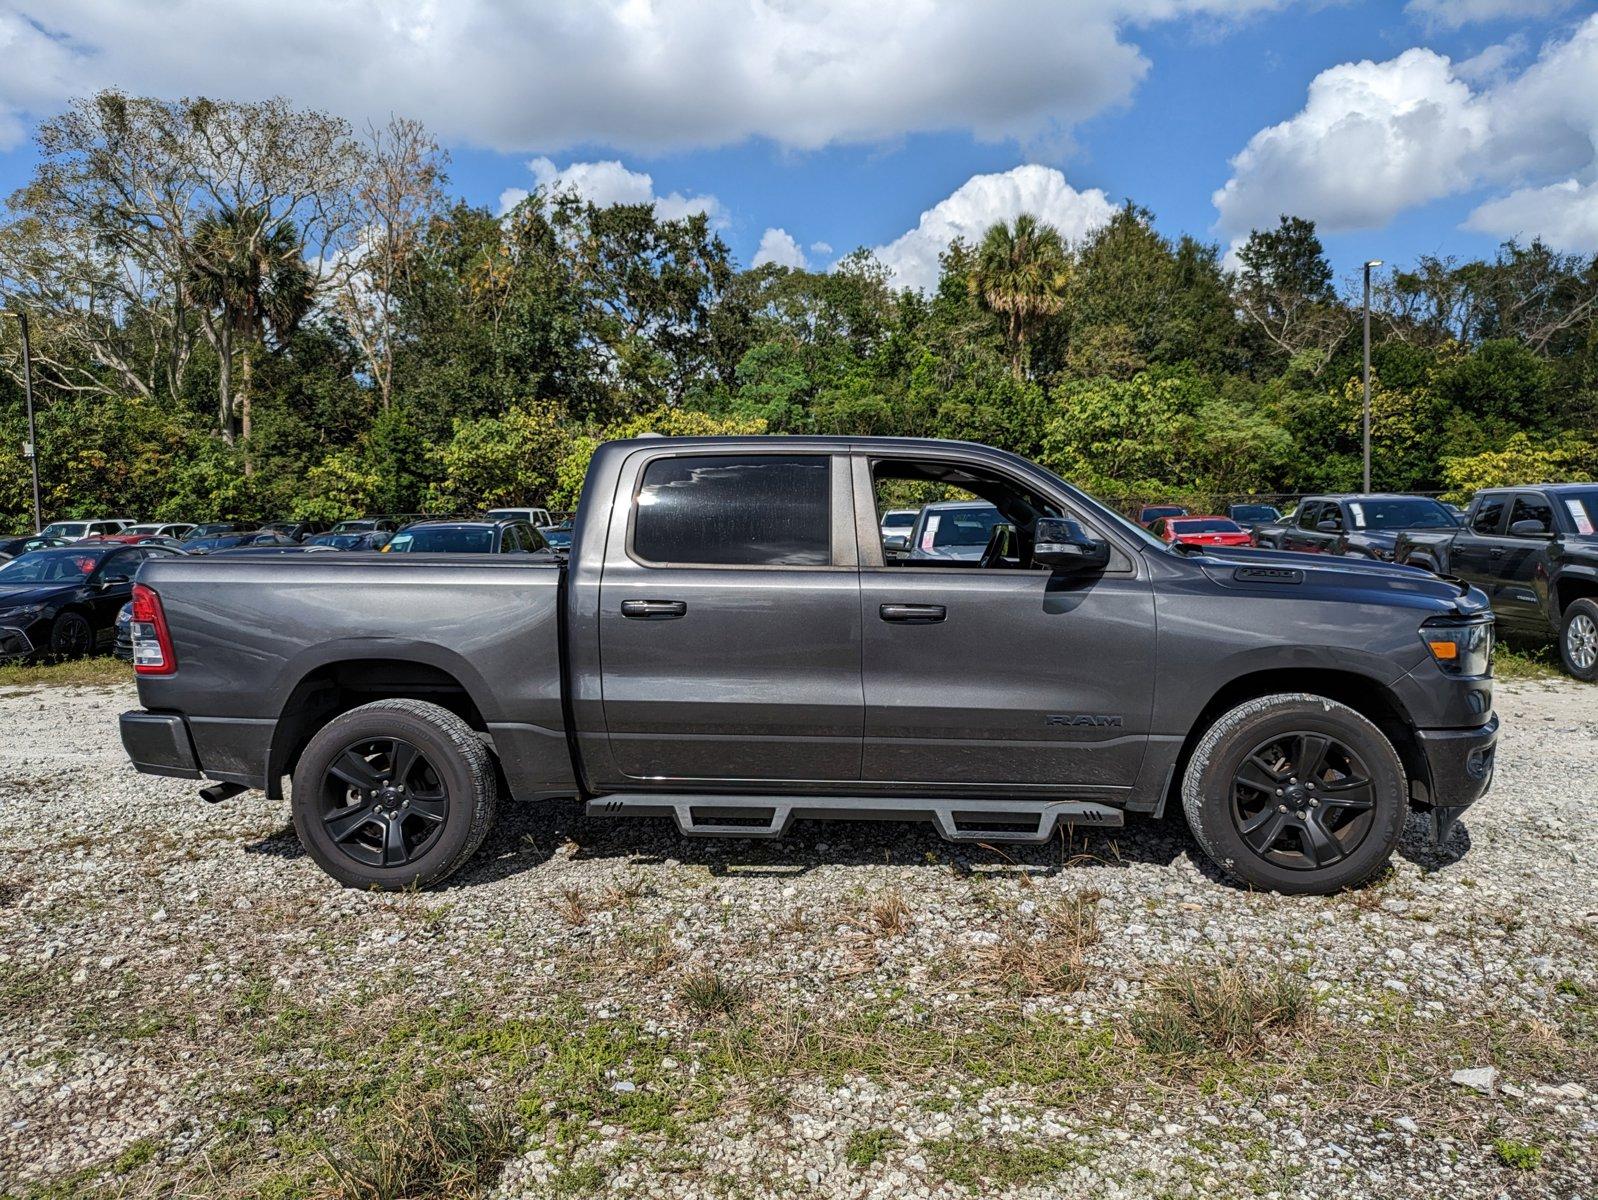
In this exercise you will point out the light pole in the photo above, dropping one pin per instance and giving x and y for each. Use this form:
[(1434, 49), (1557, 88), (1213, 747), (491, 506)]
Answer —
[(1375, 262), (27, 391)]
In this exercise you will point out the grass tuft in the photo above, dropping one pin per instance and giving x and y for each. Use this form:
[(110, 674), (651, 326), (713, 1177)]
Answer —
[(78, 672), (1523, 1156), (866, 1146), (423, 1145), (890, 914), (709, 994), (1026, 965), (1190, 1013)]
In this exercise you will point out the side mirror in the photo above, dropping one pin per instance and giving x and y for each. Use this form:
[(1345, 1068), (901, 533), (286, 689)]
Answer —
[(108, 581), (1529, 529), (1064, 545), (1328, 527), (896, 544)]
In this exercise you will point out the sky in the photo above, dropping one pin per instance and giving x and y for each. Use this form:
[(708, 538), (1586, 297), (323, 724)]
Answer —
[(808, 128)]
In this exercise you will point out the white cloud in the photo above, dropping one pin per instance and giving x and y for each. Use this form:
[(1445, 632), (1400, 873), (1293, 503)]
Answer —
[(1453, 14), (822, 248), (606, 183), (978, 203), (640, 75), (1375, 139), (777, 246)]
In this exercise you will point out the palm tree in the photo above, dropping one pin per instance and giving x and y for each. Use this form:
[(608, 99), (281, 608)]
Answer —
[(1021, 273), (248, 275)]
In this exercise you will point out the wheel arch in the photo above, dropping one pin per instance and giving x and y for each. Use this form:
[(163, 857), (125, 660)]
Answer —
[(1572, 586), (336, 686), (1365, 694)]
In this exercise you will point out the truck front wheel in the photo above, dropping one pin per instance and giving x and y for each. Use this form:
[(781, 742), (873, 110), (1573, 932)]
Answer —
[(1578, 639), (1295, 793), (394, 794)]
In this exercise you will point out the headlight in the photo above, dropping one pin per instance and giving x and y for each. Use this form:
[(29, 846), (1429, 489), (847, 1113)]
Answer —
[(22, 613), (1460, 648)]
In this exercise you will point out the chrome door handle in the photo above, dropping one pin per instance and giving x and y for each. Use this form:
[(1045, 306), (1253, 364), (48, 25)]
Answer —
[(653, 610), (912, 614)]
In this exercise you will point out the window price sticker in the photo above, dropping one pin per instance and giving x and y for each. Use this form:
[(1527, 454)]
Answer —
[(1358, 509), (1578, 514)]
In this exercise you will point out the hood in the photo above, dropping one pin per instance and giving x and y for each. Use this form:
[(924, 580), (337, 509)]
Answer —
[(33, 593), (1283, 572)]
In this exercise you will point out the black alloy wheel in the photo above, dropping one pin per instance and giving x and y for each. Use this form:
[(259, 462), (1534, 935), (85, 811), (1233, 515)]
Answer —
[(1302, 800), (71, 636), (383, 802)]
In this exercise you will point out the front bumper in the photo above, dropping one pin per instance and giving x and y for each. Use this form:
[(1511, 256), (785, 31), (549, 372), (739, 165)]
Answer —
[(1459, 769), (14, 642), (159, 744)]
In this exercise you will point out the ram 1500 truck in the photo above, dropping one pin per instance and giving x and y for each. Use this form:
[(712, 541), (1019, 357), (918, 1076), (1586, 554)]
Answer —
[(727, 646), (1534, 552)]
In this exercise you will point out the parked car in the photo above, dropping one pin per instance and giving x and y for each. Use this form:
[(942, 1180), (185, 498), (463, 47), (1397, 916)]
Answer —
[(536, 517), (952, 531), (77, 531), (1200, 531), (558, 537), (63, 601), (1534, 551), (898, 522), (366, 525), (23, 543), (1364, 525), (296, 531), (726, 649), (466, 537), (1248, 515), (171, 531), (122, 642), (228, 541), (213, 529), (369, 539), (1150, 513)]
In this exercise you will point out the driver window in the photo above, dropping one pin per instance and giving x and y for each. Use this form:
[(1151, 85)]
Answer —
[(1532, 508), (1308, 515), (937, 514)]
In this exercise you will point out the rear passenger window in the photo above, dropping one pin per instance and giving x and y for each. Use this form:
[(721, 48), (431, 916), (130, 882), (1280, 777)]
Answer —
[(751, 510), (1489, 513)]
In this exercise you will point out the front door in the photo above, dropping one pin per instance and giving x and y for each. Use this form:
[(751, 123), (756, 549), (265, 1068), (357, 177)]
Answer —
[(1478, 548), (994, 678), (729, 622)]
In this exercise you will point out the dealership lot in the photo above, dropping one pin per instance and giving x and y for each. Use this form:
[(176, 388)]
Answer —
[(859, 1010)]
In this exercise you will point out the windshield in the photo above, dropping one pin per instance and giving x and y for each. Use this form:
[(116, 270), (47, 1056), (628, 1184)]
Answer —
[(339, 541), (1207, 525), (355, 527), (443, 540), (48, 567), (899, 520), (1255, 512), (960, 527), (65, 529), (1416, 513)]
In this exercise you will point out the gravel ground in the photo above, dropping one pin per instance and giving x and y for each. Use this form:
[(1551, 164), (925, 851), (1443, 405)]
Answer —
[(189, 1007)]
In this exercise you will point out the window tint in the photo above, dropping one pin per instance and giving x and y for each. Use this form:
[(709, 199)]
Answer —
[(1307, 515), (1532, 508), (735, 510), (510, 540), (1488, 514)]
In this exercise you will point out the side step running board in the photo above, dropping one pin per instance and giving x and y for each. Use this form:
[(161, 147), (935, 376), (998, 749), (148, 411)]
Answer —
[(958, 820)]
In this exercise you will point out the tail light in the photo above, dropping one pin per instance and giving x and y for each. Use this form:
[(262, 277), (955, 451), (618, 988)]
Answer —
[(152, 641)]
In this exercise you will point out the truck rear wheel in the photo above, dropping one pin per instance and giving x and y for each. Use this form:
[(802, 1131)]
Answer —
[(394, 794), (1296, 793), (1578, 639)]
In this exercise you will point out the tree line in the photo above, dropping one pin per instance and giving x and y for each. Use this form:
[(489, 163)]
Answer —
[(251, 310)]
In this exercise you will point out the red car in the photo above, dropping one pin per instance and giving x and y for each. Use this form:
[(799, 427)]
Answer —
[(134, 534), (1200, 531)]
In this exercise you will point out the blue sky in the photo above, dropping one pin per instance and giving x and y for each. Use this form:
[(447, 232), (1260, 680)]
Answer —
[(1422, 151)]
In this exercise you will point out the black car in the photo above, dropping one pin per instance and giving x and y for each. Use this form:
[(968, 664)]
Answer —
[(296, 531), (1366, 525), (466, 537), (122, 647), (367, 525), (1150, 513), (368, 539), (227, 541), (23, 543), (215, 529), (63, 601), (1253, 514), (559, 537)]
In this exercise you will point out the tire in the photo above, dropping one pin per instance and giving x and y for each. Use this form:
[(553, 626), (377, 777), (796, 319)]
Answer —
[(412, 827), (71, 636), (1311, 834), (1578, 639)]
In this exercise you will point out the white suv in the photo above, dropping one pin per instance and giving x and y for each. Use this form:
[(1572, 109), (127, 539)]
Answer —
[(538, 518), (76, 531)]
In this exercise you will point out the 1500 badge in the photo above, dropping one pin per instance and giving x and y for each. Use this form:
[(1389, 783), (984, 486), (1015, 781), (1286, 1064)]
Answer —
[(1102, 720)]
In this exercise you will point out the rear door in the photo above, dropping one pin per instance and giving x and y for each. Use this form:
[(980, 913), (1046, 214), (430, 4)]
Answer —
[(1478, 548), (1522, 557), (995, 678), (729, 621), (1297, 535)]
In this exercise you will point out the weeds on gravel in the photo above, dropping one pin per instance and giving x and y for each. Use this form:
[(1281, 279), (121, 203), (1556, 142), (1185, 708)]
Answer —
[(1523, 1156), (1023, 964), (571, 906), (422, 1145), (890, 913), (709, 994), (78, 672), (866, 1146), (986, 1167), (1192, 1012)]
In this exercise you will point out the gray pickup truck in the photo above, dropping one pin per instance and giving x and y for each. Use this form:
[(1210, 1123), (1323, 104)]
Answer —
[(727, 646)]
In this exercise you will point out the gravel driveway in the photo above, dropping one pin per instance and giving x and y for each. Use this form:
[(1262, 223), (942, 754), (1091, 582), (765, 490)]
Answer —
[(189, 1007)]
